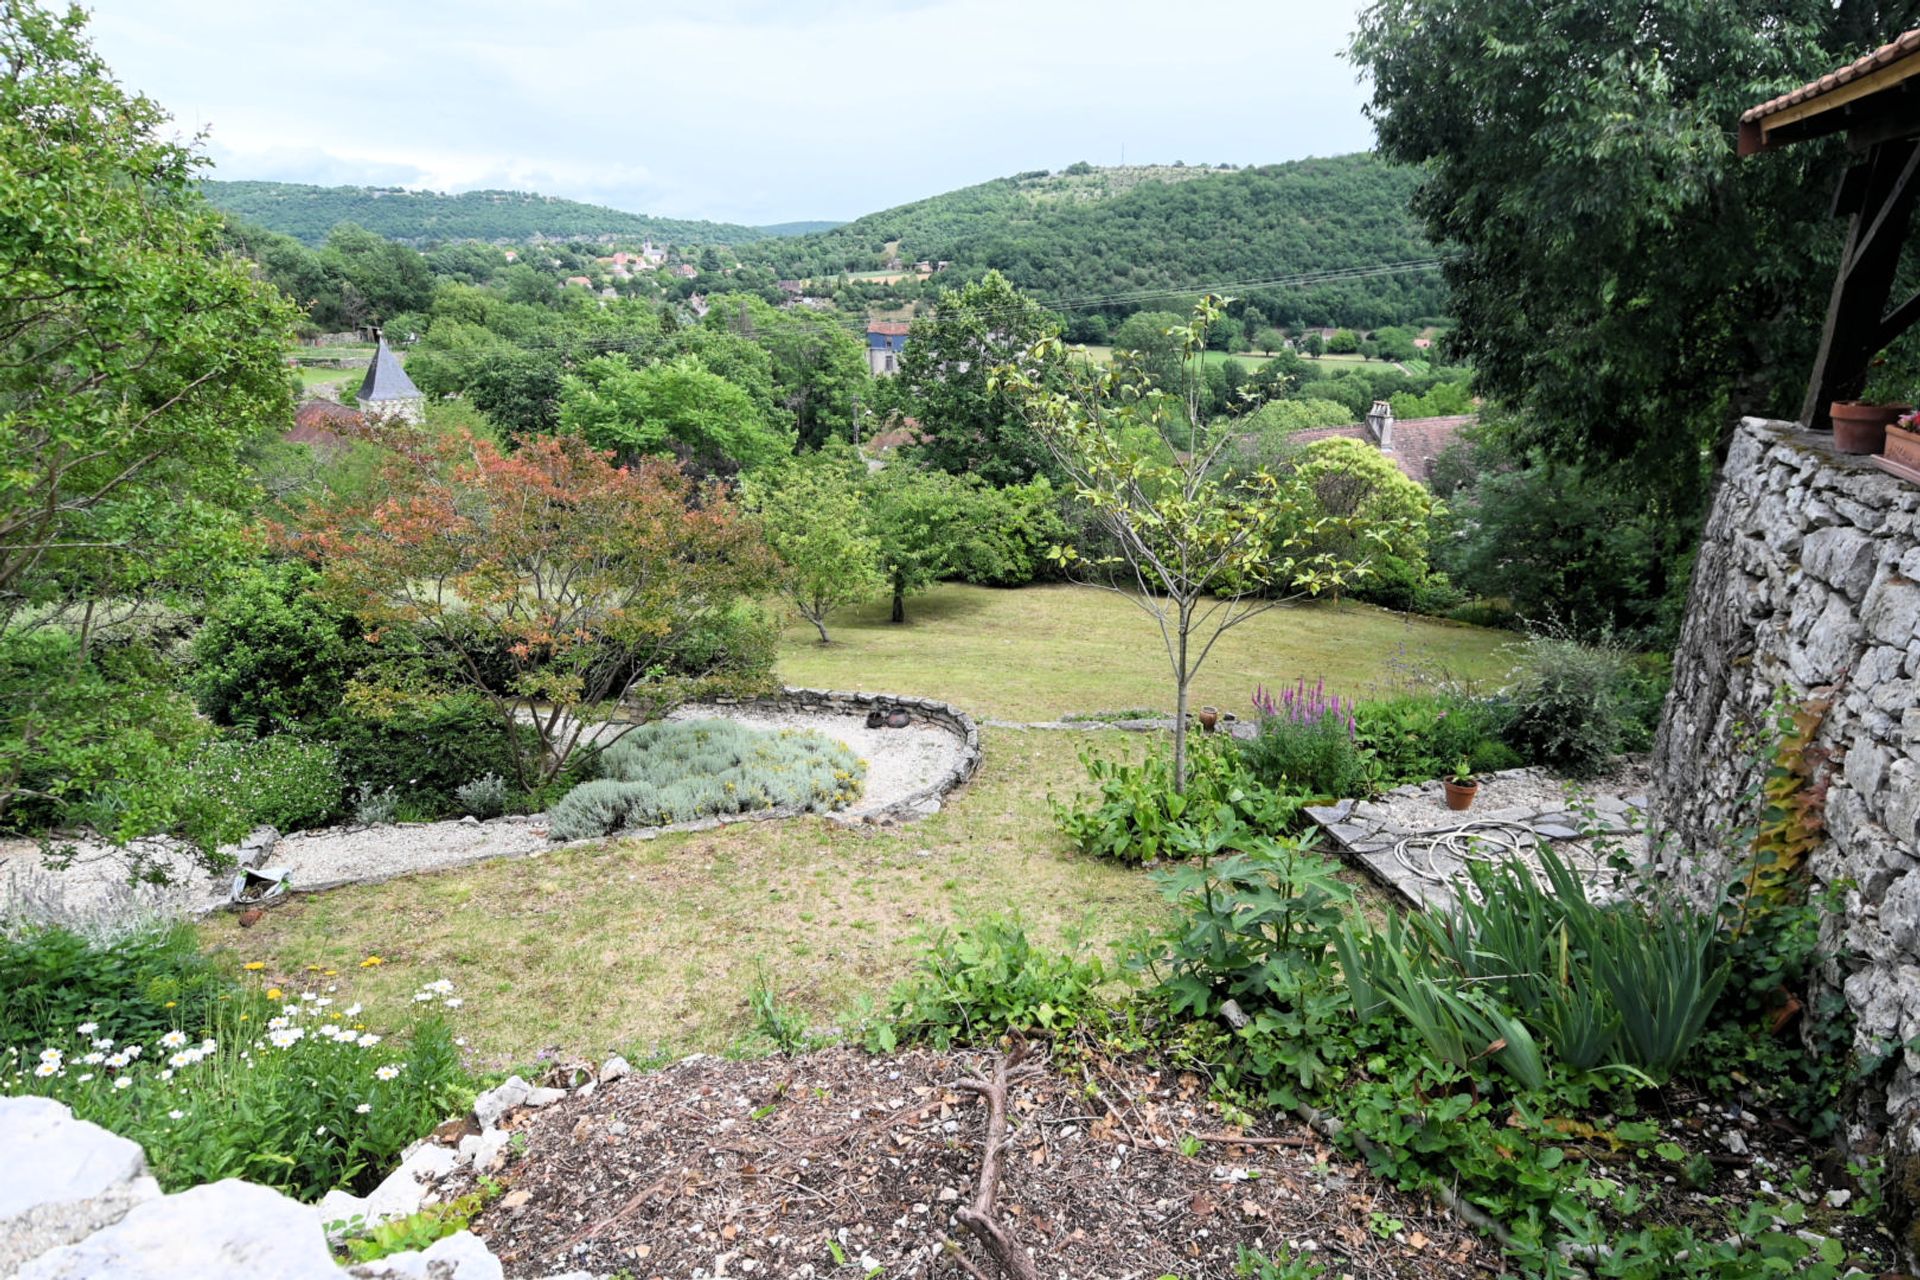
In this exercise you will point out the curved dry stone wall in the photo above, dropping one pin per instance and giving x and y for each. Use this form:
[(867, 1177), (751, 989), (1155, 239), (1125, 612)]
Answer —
[(1809, 582), (932, 711)]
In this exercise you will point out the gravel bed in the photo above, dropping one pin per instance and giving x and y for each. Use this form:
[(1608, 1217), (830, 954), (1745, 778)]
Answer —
[(95, 889), (95, 893)]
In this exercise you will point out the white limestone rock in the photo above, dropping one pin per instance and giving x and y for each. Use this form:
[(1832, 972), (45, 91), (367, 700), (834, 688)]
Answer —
[(479, 1149), (614, 1068), (460, 1256), (492, 1105), (404, 1190), (61, 1179), (224, 1229)]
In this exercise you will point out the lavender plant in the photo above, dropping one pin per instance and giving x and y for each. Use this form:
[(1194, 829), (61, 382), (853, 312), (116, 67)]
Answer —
[(1306, 741)]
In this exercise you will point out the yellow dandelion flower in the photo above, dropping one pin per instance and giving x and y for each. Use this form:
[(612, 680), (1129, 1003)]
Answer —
[(254, 966), (332, 973), (169, 1004), (273, 993), (371, 962)]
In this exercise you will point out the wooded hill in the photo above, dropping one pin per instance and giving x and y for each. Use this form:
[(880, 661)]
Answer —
[(1095, 233), (308, 213)]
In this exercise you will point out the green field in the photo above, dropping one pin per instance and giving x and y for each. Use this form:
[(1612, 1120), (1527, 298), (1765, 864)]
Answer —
[(1040, 652)]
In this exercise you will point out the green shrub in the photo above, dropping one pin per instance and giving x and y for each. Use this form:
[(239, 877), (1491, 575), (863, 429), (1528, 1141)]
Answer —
[(1135, 814), (425, 752), (1254, 928), (988, 979), (484, 797), (99, 738), (1418, 737), (1008, 533), (272, 654), (681, 770), (287, 782), (144, 982), (1642, 692), (375, 808), (1565, 706), (1306, 742)]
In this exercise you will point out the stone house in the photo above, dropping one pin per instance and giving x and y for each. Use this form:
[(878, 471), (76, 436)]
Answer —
[(387, 391), (886, 342)]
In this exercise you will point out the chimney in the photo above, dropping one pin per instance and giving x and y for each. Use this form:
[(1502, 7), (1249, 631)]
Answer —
[(1380, 425)]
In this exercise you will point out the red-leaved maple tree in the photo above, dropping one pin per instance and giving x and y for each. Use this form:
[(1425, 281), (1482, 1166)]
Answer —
[(561, 586)]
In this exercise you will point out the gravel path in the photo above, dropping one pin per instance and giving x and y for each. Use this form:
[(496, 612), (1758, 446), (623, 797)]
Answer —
[(95, 889)]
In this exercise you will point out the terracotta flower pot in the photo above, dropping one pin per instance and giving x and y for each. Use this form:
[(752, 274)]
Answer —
[(1859, 427), (1460, 794), (1902, 446), (1209, 717)]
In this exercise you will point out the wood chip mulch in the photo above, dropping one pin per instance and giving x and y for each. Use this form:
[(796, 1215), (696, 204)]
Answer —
[(838, 1162)]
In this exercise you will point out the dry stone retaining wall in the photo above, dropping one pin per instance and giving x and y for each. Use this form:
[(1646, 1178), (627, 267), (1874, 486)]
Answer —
[(1808, 581), (925, 710)]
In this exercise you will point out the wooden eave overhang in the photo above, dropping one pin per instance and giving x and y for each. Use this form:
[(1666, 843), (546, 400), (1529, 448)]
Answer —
[(1870, 99)]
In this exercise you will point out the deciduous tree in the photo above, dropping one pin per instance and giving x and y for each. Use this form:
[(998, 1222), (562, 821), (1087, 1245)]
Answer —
[(137, 359), (919, 518), (680, 402), (563, 587), (971, 428), (1616, 270), (1197, 554), (815, 518)]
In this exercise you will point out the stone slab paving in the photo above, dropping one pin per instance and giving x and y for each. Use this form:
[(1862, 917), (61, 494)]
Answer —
[(1411, 842)]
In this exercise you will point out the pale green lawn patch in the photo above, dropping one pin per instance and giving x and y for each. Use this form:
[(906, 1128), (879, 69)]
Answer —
[(1039, 652), (654, 946)]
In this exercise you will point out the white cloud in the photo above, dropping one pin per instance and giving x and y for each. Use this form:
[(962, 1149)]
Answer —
[(743, 110)]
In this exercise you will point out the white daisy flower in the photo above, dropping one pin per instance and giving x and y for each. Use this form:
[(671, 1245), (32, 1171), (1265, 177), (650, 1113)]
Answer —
[(173, 1039), (176, 1114), (368, 1040), (87, 1028), (363, 1108), (123, 1082), (46, 1069), (387, 1073)]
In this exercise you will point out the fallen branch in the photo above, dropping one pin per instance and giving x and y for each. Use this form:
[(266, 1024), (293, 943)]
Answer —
[(978, 1218), (1249, 1140)]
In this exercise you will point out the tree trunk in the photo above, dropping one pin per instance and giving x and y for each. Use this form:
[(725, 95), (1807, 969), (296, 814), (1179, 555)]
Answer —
[(1180, 714), (899, 599), (819, 626)]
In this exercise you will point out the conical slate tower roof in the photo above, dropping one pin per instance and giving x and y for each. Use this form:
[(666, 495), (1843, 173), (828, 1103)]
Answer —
[(385, 379)]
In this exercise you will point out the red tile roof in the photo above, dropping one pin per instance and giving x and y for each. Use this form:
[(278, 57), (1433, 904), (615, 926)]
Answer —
[(889, 328), (323, 422), (1885, 56)]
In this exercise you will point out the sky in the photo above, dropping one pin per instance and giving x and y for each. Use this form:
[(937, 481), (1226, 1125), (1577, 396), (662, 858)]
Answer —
[(755, 111)]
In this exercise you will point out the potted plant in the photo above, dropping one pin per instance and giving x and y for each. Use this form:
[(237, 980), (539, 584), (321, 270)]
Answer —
[(1860, 426), (1462, 787), (1903, 441)]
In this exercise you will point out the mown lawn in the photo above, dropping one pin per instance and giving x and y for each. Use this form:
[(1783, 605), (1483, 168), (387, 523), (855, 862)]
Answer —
[(1041, 652), (654, 947)]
